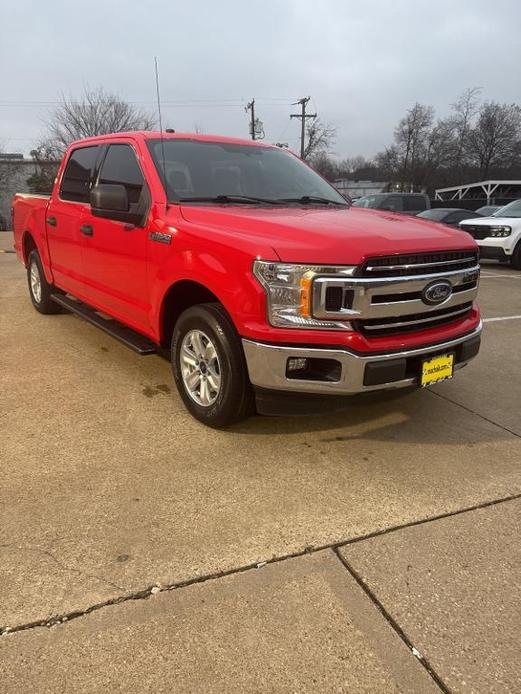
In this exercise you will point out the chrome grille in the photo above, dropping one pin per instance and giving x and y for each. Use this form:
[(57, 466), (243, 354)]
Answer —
[(418, 321), (385, 296), (419, 264)]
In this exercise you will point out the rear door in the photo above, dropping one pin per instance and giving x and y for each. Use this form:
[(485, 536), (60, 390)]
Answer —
[(66, 208), (114, 253), (414, 204), (392, 203)]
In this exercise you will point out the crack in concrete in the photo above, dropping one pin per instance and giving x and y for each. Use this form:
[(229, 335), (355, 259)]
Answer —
[(146, 593), (393, 623), (469, 409)]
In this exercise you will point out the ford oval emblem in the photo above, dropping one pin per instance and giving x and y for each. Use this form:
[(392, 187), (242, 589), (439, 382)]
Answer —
[(436, 292)]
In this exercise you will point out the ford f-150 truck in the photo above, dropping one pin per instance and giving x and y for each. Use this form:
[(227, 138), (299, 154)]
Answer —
[(267, 287)]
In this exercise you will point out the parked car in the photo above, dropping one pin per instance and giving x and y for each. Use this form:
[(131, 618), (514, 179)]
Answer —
[(448, 215), (498, 236), (488, 210), (267, 287), (407, 203)]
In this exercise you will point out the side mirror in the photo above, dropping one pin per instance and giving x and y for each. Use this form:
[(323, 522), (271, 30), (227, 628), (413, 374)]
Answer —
[(108, 196), (110, 200)]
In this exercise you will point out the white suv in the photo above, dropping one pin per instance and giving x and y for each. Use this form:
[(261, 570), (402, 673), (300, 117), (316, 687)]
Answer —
[(498, 236)]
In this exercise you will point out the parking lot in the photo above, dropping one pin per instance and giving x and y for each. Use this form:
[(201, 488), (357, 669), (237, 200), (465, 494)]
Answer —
[(372, 550)]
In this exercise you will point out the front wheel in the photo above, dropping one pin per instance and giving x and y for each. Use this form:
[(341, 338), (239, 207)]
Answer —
[(516, 257), (209, 366), (39, 289)]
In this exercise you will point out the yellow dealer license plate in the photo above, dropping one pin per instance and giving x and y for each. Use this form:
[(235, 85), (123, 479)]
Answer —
[(437, 369)]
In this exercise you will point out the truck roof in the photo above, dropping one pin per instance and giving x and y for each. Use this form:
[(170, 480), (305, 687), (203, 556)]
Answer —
[(156, 134)]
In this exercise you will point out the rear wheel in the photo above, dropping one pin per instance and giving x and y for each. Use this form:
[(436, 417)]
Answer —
[(209, 366), (39, 289), (516, 257)]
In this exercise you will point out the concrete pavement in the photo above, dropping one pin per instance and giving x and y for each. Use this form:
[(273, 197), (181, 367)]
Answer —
[(109, 488)]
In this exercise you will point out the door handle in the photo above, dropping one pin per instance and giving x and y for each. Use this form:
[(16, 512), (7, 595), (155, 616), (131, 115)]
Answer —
[(51, 221), (87, 230)]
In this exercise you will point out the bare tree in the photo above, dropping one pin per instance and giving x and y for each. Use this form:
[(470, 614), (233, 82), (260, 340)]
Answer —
[(410, 140), (496, 137), (464, 110), (97, 113), (325, 165), (389, 163), (319, 138), (46, 163)]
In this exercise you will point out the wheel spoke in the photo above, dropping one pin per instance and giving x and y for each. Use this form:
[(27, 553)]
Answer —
[(188, 356), (204, 393), (209, 353), (215, 381), (197, 344), (192, 380)]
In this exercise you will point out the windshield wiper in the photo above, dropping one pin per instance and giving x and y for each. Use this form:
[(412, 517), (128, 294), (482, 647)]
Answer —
[(223, 199), (314, 199)]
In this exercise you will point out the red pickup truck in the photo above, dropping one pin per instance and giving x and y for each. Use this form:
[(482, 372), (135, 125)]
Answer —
[(267, 287)]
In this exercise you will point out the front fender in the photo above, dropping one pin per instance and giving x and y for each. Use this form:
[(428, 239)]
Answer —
[(224, 271)]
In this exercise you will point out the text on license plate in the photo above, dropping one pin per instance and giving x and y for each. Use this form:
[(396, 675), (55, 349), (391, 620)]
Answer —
[(437, 369)]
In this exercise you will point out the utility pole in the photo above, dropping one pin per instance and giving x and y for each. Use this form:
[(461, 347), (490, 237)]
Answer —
[(303, 102), (251, 107)]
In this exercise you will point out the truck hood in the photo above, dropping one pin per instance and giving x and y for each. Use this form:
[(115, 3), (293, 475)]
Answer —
[(491, 221), (328, 236)]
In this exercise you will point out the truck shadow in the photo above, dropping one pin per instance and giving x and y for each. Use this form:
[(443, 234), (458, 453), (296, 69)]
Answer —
[(413, 417)]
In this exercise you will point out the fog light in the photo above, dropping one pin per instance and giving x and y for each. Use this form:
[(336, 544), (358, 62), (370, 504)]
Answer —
[(297, 363)]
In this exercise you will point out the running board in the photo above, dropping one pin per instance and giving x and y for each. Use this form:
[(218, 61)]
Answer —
[(130, 338)]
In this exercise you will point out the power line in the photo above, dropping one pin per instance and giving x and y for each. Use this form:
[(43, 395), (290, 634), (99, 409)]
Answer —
[(302, 116), (236, 101)]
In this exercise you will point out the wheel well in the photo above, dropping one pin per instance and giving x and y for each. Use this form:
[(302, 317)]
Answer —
[(28, 245), (178, 298)]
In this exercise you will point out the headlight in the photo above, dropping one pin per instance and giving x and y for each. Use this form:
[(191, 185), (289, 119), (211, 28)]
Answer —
[(289, 293), (500, 231)]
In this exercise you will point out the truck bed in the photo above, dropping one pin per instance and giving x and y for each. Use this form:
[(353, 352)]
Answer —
[(29, 211)]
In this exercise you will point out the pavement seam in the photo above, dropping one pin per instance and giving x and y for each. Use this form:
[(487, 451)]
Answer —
[(471, 411), (146, 593), (393, 623)]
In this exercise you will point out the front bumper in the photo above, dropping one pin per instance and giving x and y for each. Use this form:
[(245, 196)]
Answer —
[(493, 253), (496, 248), (344, 372)]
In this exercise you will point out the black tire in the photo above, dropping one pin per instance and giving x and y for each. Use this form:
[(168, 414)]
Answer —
[(234, 400), (43, 303), (516, 257)]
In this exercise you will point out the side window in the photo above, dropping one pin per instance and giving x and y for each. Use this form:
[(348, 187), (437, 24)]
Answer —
[(393, 203), (75, 185), (414, 203), (121, 166)]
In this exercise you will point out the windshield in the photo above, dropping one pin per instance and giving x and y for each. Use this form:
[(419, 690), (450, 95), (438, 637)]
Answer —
[(372, 201), (513, 209), (234, 173)]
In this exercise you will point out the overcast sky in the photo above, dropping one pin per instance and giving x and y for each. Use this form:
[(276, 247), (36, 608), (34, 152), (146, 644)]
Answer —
[(363, 63)]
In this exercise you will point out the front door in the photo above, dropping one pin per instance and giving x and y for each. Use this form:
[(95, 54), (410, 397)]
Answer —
[(114, 253), (66, 208)]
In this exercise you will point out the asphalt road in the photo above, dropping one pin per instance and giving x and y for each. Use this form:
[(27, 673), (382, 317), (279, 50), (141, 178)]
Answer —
[(374, 550)]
